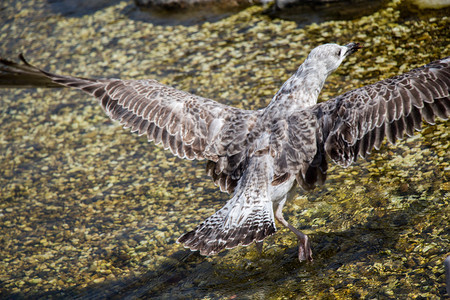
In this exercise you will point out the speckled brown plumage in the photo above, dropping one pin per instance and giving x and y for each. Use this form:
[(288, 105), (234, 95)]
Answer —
[(260, 155)]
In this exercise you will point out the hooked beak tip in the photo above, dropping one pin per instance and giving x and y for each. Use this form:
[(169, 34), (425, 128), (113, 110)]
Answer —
[(353, 47)]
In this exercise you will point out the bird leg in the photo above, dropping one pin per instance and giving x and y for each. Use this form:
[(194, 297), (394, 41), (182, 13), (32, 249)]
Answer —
[(259, 246), (304, 248)]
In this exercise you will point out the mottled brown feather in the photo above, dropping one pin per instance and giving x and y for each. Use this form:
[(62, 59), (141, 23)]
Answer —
[(396, 107)]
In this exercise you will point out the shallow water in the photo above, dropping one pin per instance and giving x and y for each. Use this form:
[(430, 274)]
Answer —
[(89, 210)]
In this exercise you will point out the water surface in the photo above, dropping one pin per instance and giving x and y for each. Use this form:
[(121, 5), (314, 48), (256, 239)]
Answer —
[(89, 210)]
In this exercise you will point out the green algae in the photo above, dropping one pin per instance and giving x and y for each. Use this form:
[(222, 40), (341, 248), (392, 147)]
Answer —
[(88, 209)]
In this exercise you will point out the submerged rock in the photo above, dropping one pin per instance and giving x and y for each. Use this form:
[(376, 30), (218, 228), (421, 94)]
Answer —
[(283, 4), (224, 4), (308, 11)]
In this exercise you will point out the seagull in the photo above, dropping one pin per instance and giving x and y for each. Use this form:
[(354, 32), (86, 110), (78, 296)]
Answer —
[(260, 156)]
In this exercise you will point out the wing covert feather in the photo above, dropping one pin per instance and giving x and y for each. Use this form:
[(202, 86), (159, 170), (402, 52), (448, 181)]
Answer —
[(184, 123)]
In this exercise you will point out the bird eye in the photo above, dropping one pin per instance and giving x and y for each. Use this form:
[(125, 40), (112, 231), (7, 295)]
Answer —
[(338, 53)]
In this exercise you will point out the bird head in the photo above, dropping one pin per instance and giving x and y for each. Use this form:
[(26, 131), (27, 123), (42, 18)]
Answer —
[(330, 56)]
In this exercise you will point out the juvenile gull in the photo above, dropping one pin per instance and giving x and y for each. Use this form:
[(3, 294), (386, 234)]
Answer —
[(260, 156)]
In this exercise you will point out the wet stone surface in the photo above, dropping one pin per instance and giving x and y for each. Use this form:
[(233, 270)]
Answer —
[(87, 209)]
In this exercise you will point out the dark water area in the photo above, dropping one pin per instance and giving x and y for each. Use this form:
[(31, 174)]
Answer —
[(79, 8), (302, 14), (90, 211)]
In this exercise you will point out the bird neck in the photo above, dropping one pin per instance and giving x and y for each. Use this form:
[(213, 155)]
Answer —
[(302, 89)]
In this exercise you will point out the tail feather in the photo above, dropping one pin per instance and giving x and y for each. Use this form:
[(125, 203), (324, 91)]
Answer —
[(247, 217), (213, 235)]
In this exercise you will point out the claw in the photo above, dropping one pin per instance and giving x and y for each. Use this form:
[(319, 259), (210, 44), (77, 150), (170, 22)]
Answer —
[(304, 249)]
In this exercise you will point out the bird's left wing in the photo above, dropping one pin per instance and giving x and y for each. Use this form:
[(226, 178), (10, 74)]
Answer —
[(357, 121), (190, 126)]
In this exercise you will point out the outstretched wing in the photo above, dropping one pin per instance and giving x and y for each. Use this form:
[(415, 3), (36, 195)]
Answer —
[(190, 126), (355, 122)]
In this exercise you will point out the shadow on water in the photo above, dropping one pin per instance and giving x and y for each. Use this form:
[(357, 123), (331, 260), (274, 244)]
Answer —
[(320, 11), (302, 14), (78, 8), (187, 17), (186, 274)]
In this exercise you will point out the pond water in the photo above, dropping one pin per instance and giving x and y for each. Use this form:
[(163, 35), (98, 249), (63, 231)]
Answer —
[(88, 210)]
